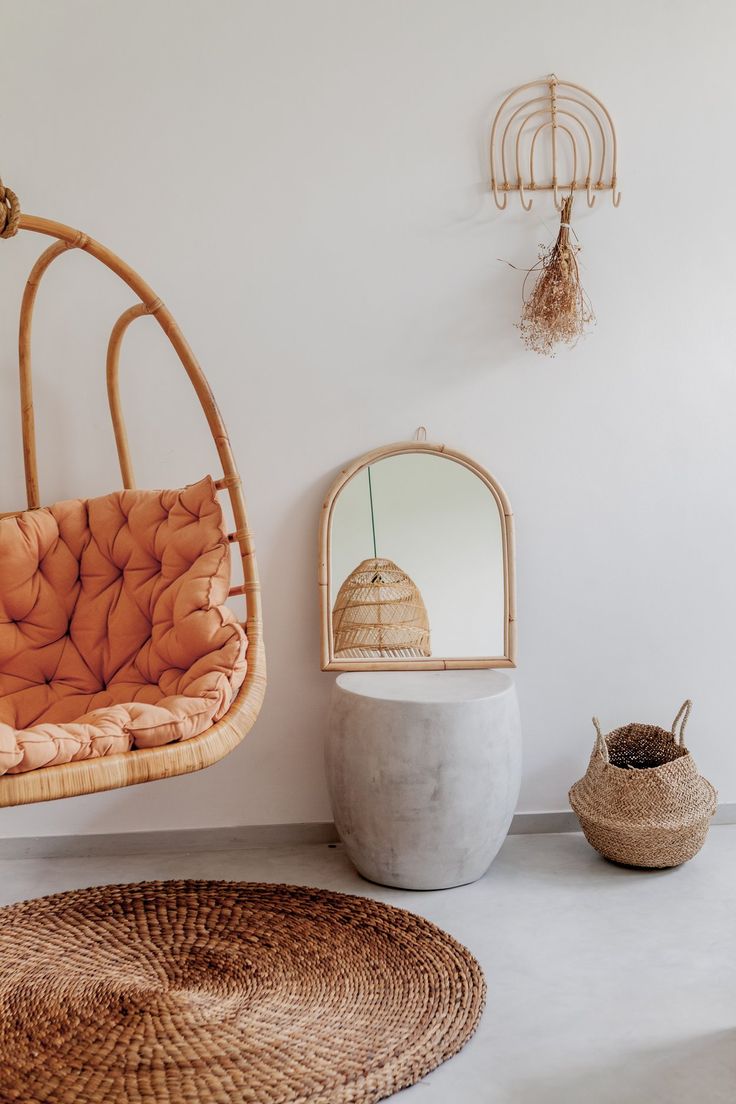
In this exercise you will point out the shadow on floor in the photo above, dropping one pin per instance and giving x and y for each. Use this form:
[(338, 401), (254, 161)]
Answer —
[(699, 1069)]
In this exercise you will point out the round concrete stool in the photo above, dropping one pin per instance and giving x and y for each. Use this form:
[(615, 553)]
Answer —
[(423, 769)]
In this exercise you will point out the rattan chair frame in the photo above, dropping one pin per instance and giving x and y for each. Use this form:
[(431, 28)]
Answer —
[(144, 764), (434, 663)]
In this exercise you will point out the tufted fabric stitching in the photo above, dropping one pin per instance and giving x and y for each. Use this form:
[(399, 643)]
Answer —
[(114, 633)]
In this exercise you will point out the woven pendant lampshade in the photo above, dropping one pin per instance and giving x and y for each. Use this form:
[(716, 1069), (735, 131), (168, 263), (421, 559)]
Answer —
[(379, 611)]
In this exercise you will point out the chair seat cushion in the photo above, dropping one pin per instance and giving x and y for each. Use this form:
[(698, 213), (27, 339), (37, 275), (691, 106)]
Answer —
[(114, 633)]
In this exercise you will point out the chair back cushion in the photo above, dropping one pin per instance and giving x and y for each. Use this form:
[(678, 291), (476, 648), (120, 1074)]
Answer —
[(113, 625)]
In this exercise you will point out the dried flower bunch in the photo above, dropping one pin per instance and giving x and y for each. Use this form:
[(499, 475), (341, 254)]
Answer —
[(558, 310)]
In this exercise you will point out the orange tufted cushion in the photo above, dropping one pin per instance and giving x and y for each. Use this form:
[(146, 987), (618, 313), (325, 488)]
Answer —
[(113, 629)]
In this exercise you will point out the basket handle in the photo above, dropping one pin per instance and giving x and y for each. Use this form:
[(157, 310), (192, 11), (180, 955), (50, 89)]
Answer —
[(600, 743), (683, 716)]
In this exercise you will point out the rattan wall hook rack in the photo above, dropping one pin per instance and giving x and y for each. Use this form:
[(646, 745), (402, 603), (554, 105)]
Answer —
[(578, 123)]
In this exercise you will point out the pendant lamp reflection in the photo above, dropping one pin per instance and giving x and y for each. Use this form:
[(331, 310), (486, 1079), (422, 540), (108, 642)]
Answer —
[(379, 610)]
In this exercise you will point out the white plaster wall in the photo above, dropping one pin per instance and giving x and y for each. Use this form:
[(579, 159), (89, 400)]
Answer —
[(303, 183)]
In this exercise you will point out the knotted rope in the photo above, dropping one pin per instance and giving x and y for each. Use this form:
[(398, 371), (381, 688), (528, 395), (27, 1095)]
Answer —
[(9, 212)]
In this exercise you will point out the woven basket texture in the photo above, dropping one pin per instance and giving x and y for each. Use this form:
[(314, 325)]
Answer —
[(225, 993), (641, 801), (379, 611)]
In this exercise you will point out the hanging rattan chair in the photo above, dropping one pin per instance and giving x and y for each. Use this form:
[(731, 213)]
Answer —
[(144, 763)]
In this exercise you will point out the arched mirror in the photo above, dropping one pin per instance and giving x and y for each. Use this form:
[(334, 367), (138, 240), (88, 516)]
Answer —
[(416, 564)]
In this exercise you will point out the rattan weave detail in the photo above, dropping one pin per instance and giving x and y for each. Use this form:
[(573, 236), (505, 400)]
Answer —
[(379, 611), (221, 992)]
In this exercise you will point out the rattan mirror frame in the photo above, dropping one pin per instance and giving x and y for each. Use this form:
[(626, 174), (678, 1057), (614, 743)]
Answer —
[(433, 663)]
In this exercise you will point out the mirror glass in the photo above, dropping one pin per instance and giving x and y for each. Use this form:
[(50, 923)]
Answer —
[(417, 564)]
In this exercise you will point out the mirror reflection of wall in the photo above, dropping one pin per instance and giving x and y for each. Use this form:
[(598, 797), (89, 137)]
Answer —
[(441, 528)]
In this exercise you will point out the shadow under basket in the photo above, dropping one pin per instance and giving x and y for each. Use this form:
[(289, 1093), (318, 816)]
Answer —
[(641, 801)]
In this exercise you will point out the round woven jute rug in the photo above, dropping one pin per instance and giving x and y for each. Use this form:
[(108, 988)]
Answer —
[(199, 991)]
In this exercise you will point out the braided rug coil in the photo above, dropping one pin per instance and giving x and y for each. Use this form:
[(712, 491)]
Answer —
[(196, 992)]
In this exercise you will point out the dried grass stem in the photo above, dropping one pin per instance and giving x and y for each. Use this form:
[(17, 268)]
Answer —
[(557, 310)]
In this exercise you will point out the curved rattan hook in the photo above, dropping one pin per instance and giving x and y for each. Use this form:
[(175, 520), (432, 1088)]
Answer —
[(522, 196), (501, 206), (559, 203)]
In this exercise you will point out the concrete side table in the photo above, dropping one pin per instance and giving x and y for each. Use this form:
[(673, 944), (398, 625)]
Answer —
[(423, 769)]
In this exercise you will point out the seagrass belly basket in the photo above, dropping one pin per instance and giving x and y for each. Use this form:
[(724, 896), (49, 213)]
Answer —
[(641, 801)]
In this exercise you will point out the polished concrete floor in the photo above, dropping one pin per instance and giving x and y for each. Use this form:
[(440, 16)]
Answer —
[(605, 985)]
